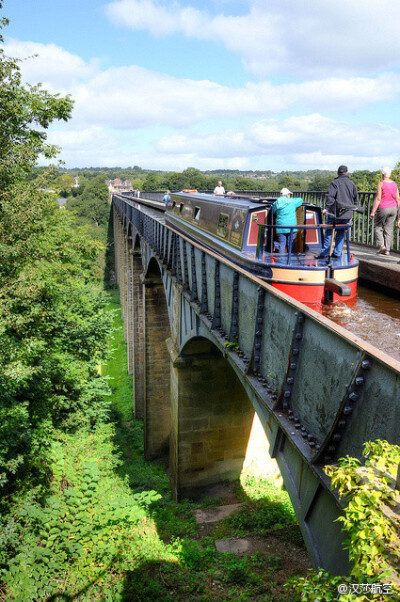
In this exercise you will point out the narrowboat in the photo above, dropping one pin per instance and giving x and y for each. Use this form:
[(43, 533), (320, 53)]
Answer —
[(243, 230)]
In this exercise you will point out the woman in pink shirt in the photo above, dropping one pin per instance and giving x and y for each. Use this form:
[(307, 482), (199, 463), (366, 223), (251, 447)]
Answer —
[(385, 207)]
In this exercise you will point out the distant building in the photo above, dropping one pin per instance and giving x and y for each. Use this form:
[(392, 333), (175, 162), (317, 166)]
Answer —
[(118, 186)]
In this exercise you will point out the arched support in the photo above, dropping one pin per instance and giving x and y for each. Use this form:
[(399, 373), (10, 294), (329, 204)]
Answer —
[(156, 365), (211, 419), (130, 301), (138, 360)]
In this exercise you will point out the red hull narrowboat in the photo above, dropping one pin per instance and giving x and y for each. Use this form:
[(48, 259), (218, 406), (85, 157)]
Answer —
[(243, 229)]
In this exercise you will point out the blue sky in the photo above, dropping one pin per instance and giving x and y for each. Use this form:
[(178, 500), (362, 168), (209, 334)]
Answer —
[(246, 84)]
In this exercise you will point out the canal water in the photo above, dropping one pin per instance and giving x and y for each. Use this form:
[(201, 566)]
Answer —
[(374, 317)]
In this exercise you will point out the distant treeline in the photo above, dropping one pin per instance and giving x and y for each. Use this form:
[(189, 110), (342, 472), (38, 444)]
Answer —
[(150, 180)]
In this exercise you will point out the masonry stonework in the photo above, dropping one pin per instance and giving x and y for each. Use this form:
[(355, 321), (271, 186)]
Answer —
[(156, 369), (138, 334), (211, 419)]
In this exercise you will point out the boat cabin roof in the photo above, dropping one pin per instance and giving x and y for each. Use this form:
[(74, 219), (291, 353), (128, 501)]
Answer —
[(227, 201)]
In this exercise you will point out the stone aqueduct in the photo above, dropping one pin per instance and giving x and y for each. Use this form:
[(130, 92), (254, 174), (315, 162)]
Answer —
[(211, 347)]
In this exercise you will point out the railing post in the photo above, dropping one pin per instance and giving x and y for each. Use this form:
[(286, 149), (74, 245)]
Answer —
[(234, 331), (194, 296), (216, 321), (204, 293)]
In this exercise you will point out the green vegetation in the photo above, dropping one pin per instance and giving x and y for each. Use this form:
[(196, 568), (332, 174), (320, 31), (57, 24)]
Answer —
[(53, 324), (104, 526), (90, 203), (25, 114), (372, 527), (149, 180)]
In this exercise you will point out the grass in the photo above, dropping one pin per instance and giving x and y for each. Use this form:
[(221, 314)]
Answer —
[(115, 369), (110, 531)]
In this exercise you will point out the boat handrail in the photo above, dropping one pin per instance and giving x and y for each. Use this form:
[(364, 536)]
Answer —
[(263, 227)]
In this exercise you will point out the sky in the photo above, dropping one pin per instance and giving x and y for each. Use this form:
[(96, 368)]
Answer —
[(232, 84)]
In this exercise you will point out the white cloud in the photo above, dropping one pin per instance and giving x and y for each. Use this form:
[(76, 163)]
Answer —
[(133, 97), (309, 141), (304, 37), (113, 108), (312, 139), (52, 65)]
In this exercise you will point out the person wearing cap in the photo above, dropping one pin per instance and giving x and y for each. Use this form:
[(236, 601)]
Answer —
[(386, 206), (166, 197), (341, 198), (284, 210)]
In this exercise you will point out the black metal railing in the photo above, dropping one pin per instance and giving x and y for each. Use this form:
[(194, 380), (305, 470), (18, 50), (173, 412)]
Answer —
[(264, 228)]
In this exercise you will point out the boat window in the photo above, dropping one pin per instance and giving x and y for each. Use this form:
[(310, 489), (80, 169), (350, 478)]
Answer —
[(222, 228), (173, 204), (181, 207), (196, 214)]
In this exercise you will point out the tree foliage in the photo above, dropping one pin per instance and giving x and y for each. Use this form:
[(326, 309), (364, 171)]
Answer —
[(90, 202), (53, 325), (26, 111)]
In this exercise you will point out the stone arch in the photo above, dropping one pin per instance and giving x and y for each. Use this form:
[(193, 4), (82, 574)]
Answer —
[(128, 301), (156, 373), (136, 245), (136, 351), (214, 426)]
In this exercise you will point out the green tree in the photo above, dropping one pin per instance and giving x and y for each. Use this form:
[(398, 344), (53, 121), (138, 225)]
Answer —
[(285, 182), (151, 182), (91, 203), (63, 184), (25, 114), (193, 178), (53, 324), (320, 183), (175, 181), (366, 180)]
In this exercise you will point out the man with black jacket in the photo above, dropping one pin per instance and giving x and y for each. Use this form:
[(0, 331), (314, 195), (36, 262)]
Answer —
[(341, 198)]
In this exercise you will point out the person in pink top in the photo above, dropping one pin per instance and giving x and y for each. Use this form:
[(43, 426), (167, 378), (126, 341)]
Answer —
[(386, 204)]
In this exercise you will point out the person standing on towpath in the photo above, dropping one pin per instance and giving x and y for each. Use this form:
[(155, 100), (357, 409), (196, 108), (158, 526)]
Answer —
[(385, 207)]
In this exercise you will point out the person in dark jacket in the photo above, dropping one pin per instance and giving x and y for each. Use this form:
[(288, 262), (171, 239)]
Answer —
[(341, 198)]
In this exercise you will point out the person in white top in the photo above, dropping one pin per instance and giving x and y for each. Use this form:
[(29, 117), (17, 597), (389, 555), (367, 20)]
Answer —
[(219, 189)]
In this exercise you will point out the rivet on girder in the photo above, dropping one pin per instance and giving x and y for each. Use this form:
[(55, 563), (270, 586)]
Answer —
[(354, 396), (360, 380), (366, 364), (347, 410), (290, 380), (337, 437), (286, 394)]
